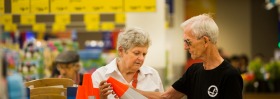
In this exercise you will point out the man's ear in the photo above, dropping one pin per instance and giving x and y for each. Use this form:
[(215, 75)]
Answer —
[(206, 39), (77, 67)]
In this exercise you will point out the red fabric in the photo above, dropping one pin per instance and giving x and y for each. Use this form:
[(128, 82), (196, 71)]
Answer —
[(135, 80), (114, 38)]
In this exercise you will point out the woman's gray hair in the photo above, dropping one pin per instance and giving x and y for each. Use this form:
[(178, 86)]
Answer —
[(133, 37), (203, 25)]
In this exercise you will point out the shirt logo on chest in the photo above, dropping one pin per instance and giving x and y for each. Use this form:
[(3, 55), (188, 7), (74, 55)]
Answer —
[(213, 91)]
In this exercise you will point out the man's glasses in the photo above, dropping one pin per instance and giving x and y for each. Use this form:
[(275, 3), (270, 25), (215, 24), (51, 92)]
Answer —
[(189, 43)]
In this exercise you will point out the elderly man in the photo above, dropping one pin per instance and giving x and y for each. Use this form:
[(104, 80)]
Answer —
[(214, 78), (67, 63)]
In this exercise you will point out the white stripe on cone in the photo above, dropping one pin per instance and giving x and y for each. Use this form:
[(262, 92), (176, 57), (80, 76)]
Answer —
[(132, 94), (124, 91), (91, 97)]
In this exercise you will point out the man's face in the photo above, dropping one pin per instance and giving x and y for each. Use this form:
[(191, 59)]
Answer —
[(68, 70), (194, 45)]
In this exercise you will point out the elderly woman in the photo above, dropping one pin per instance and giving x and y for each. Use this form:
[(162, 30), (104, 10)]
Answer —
[(132, 48)]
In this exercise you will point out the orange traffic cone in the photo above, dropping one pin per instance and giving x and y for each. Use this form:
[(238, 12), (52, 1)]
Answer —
[(86, 91), (124, 91), (80, 93)]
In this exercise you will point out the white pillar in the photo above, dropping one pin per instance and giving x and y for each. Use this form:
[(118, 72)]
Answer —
[(154, 23)]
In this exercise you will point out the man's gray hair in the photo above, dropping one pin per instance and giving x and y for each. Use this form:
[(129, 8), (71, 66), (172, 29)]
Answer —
[(133, 37), (203, 25)]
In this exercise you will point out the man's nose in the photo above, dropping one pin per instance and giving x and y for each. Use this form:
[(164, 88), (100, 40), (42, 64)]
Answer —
[(62, 72)]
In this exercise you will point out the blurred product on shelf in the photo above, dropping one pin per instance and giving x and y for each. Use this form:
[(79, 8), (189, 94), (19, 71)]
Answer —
[(3, 89), (32, 60), (27, 55), (16, 89), (3, 83)]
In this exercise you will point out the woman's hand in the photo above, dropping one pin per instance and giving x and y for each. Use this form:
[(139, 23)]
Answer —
[(104, 89), (115, 95)]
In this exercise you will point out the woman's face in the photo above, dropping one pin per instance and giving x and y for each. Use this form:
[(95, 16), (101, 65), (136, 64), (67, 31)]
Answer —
[(133, 58)]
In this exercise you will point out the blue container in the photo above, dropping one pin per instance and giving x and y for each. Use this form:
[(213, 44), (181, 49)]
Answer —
[(71, 92), (16, 89)]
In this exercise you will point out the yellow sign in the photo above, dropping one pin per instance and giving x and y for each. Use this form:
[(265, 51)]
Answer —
[(97, 6), (149, 5), (77, 6), (39, 6), (140, 5), (120, 18), (107, 26), (105, 6), (91, 18), (2, 7), (62, 19), (58, 27), (20, 6), (112, 5), (10, 27), (41, 27), (6, 19), (92, 27), (59, 6), (27, 19)]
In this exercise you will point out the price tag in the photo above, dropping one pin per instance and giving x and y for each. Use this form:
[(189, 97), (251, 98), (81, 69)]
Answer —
[(120, 18), (27, 19), (92, 18), (149, 6), (62, 19), (92, 27), (58, 27), (2, 7), (112, 5), (97, 6), (77, 6), (140, 5), (59, 6), (20, 6), (132, 5), (10, 27), (39, 6), (101, 6), (39, 27), (6, 19), (107, 26)]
